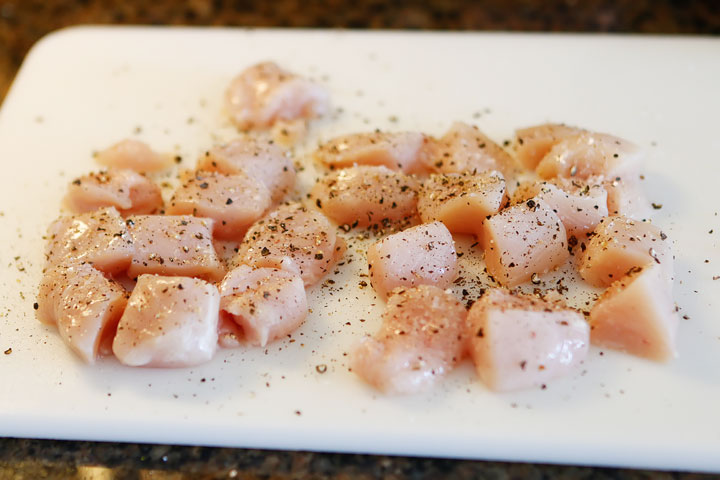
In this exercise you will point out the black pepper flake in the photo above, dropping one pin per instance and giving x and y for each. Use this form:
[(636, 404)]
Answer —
[(522, 364), (180, 287), (8, 351), (36, 306), (656, 206), (228, 201), (318, 203), (480, 332), (319, 256), (203, 185), (265, 252)]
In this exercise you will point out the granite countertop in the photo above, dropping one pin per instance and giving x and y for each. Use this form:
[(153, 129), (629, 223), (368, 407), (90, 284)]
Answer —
[(22, 22)]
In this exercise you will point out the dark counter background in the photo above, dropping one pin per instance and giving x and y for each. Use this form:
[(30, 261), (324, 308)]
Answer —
[(23, 22)]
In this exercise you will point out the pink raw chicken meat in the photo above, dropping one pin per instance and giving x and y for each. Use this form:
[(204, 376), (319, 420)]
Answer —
[(133, 155), (422, 255), (174, 245), (533, 143), (366, 195), (234, 201), (522, 241), (257, 157), (580, 206), (404, 151), (266, 303), (84, 305), (588, 154), (421, 339), (292, 238), (168, 322), (465, 149), (462, 201), (128, 191), (100, 238), (519, 341), (265, 93), (637, 315), (620, 244)]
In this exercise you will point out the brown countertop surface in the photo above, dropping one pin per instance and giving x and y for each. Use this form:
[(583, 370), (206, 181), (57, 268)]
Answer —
[(23, 22)]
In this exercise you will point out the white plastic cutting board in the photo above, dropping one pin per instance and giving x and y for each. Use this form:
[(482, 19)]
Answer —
[(82, 89)]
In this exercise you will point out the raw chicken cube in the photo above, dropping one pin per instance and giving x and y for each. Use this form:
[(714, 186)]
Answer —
[(128, 191), (462, 201), (174, 245), (422, 255), (523, 242), (404, 151), (637, 315), (133, 155), (234, 202), (580, 206), (465, 149), (266, 303), (258, 157), (533, 143), (421, 340), (100, 238), (168, 322), (520, 341), (620, 244), (588, 154), (366, 195), (265, 93), (292, 238), (83, 304)]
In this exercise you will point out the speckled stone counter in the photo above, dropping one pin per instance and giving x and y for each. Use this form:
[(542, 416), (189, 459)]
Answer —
[(22, 22)]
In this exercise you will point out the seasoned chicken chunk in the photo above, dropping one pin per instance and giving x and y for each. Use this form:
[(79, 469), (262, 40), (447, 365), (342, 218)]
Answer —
[(168, 322), (523, 241), (84, 304), (366, 195), (257, 157), (264, 94), (519, 341), (174, 245), (637, 315), (465, 149), (267, 303), (533, 143), (100, 238), (133, 155), (292, 238), (462, 201), (620, 244), (422, 255), (234, 202), (421, 340), (126, 190), (404, 151)]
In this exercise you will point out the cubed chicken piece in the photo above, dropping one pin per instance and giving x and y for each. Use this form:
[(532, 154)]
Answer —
[(366, 195), (519, 341), (133, 155), (620, 244), (174, 245), (292, 238), (422, 255), (533, 143), (126, 190), (265, 93), (523, 242), (168, 322), (267, 303), (588, 154), (404, 151), (637, 315), (84, 305), (627, 198), (421, 340), (462, 201), (234, 202), (258, 157), (100, 238), (580, 206), (465, 149)]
